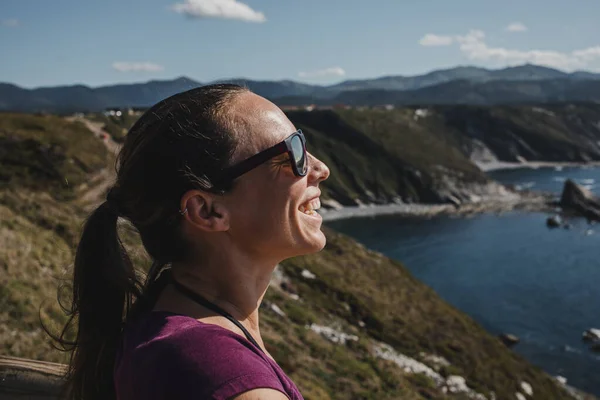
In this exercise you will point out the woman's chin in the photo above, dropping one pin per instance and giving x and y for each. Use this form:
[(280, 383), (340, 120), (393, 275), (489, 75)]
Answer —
[(311, 238), (316, 242)]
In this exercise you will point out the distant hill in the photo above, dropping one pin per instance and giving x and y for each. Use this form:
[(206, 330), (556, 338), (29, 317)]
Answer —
[(526, 72), (460, 85), (494, 92)]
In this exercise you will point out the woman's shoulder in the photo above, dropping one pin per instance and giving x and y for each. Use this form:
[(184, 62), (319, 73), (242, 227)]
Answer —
[(183, 354), (185, 339)]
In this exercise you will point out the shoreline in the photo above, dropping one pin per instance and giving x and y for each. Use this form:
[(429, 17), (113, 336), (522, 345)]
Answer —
[(527, 201), (502, 165), (373, 210)]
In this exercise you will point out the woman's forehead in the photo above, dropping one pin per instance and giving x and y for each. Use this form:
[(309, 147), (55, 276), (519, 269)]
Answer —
[(260, 124)]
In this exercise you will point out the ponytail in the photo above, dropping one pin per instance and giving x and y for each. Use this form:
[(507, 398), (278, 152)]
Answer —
[(165, 144), (104, 287)]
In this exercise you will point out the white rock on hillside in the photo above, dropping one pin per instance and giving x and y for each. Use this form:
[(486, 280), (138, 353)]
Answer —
[(332, 334), (282, 282), (409, 365), (307, 274), (421, 113), (456, 384), (561, 379), (453, 384), (278, 277), (435, 362), (278, 310), (526, 388)]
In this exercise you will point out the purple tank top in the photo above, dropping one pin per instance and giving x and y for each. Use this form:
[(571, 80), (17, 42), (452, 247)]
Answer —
[(171, 356)]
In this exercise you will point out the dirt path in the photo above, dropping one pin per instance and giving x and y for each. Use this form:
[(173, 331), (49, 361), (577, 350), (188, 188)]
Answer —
[(94, 195), (105, 178), (97, 129)]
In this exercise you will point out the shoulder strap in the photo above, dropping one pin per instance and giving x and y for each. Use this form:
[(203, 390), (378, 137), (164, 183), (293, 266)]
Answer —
[(211, 306)]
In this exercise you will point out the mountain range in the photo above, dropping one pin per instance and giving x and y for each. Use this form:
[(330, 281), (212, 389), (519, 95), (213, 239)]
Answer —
[(461, 85)]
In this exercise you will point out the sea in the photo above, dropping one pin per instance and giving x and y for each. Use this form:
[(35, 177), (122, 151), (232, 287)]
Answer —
[(509, 271)]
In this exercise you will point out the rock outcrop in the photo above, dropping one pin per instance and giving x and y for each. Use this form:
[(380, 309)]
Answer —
[(554, 221), (508, 339), (580, 200), (591, 335)]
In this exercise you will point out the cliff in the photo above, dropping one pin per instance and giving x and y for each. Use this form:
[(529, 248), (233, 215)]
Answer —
[(346, 323)]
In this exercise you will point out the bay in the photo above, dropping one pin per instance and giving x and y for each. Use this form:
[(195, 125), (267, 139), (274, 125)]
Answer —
[(509, 272)]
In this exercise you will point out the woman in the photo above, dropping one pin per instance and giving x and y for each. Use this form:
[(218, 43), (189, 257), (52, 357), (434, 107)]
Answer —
[(221, 189)]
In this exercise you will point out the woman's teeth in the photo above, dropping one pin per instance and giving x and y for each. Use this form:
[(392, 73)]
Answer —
[(310, 207)]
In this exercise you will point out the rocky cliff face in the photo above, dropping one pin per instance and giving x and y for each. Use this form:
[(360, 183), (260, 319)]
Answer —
[(525, 133), (576, 198), (429, 155)]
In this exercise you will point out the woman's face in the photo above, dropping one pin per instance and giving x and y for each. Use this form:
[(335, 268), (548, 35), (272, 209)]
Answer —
[(265, 216)]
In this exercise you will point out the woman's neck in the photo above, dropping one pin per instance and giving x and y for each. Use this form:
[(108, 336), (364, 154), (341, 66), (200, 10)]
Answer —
[(237, 288)]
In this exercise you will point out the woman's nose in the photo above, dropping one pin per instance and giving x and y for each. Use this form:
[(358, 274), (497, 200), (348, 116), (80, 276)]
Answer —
[(318, 170)]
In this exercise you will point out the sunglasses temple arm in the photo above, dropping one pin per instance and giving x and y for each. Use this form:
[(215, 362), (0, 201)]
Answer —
[(253, 162)]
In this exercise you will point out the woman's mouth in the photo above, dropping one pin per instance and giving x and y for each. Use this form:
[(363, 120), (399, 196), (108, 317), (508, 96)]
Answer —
[(310, 207)]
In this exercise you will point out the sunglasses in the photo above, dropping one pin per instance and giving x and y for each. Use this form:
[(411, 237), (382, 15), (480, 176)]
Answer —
[(294, 145)]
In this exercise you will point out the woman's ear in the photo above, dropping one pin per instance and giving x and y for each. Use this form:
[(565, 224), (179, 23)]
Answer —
[(205, 211)]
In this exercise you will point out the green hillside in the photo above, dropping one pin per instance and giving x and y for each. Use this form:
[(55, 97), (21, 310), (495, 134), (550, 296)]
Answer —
[(47, 152), (314, 300), (427, 154)]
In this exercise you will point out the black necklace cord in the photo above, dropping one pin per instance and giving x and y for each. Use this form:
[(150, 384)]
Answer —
[(195, 297)]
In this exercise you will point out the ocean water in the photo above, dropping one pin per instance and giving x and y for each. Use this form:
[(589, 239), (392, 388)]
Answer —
[(509, 272), (549, 179)]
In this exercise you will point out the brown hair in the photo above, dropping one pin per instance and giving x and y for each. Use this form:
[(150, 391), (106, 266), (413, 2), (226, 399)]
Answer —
[(177, 145)]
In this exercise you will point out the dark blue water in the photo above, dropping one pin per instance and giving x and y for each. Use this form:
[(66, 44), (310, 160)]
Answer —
[(509, 272), (549, 179)]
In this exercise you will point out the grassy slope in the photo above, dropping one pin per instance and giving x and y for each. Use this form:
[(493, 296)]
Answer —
[(38, 231), (414, 140), (551, 133), (385, 153), (354, 173), (47, 152), (355, 284)]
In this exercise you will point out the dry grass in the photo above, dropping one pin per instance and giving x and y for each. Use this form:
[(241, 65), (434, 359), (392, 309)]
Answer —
[(39, 230)]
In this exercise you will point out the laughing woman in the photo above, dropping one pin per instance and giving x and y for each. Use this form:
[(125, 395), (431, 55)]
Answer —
[(220, 186)]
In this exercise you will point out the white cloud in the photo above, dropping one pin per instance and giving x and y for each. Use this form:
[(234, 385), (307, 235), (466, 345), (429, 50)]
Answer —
[(474, 46), (588, 54), (126, 66), (10, 23), (322, 73), (516, 27), (225, 9), (436, 40)]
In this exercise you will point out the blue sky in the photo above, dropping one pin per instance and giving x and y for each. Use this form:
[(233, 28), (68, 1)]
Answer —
[(46, 43)]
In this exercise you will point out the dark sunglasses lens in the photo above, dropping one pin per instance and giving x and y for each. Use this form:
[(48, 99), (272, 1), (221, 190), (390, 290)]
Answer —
[(299, 154)]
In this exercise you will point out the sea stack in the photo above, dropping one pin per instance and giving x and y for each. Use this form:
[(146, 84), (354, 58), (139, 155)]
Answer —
[(579, 199)]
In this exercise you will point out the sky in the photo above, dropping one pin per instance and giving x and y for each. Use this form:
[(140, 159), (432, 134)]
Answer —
[(66, 42)]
